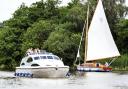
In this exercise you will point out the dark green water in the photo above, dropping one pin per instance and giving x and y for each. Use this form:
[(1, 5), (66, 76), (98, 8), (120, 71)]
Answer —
[(90, 80)]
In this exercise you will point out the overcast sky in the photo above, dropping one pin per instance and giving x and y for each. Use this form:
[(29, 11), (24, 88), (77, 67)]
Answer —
[(7, 7)]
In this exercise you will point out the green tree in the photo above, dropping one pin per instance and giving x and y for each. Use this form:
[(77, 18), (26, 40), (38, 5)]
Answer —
[(20, 18), (63, 43), (10, 52), (44, 10), (36, 35), (122, 35)]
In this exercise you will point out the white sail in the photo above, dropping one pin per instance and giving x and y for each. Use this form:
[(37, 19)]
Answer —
[(100, 41), (78, 54)]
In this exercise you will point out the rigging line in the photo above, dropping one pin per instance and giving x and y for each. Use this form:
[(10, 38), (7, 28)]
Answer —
[(85, 25), (78, 52), (112, 61)]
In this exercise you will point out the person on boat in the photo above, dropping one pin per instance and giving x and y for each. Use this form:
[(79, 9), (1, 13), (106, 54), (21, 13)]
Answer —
[(106, 64), (35, 51), (38, 50), (29, 51), (97, 64)]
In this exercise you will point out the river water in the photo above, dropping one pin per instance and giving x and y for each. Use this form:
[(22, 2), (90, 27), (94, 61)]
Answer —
[(90, 80)]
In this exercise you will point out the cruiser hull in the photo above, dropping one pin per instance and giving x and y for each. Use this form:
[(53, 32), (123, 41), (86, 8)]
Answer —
[(42, 72)]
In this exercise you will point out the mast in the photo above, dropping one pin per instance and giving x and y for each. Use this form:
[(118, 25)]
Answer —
[(86, 36)]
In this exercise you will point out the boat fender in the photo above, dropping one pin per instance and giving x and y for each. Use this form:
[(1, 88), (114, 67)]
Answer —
[(21, 74), (27, 74), (31, 75), (15, 74), (56, 68), (68, 74), (81, 69)]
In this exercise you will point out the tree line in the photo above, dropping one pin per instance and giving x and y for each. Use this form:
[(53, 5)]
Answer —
[(57, 29)]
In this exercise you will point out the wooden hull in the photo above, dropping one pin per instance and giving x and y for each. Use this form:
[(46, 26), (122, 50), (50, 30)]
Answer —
[(93, 69), (42, 72)]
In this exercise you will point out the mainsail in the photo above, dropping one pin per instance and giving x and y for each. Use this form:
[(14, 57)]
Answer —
[(100, 41)]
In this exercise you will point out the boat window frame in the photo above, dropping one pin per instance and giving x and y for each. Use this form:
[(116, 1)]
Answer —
[(23, 64), (43, 58), (36, 57), (35, 65), (29, 59), (50, 58), (56, 57)]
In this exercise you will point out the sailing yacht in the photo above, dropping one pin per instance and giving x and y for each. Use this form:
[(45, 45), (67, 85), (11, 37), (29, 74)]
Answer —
[(99, 43)]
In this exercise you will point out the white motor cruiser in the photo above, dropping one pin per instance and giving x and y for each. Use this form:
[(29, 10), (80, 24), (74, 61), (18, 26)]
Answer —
[(42, 65)]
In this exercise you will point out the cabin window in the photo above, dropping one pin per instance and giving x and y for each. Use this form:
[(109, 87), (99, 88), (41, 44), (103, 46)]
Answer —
[(97, 64), (49, 57), (36, 58), (43, 57), (35, 65), (29, 59), (22, 63), (57, 58)]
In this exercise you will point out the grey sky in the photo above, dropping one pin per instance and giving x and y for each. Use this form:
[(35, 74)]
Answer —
[(7, 7)]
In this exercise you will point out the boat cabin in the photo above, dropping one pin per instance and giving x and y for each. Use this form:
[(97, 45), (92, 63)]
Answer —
[(41, 59)]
